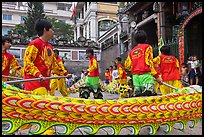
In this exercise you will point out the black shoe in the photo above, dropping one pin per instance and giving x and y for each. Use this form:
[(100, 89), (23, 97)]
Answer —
[(98, 95)]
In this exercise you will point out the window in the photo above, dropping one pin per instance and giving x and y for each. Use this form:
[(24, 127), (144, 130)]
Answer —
[(104, 25), (65, 55), (82, 55), (15, 52), (89, 29), (7, 17), (61, 6), (22, 17), (111, 2), (5, 31), (11, 3)]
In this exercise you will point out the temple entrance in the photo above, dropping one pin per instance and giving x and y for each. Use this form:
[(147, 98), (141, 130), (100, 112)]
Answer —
[(193, 37)]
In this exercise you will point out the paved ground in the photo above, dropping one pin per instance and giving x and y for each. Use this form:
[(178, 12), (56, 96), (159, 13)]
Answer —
[(144, 131)]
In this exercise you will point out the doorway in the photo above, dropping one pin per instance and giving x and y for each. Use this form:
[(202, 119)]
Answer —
[(193, 37)]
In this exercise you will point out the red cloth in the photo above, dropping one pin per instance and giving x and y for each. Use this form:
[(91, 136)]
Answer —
[(45, 50), (169, 68), (137, 54), (124, 73), (110, 77), (95, 72), (6, 61), (107, 75)]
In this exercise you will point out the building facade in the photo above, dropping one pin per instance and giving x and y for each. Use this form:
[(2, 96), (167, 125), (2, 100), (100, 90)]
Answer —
[(178, 23), (14, 12), (94, 19), (96, 22)]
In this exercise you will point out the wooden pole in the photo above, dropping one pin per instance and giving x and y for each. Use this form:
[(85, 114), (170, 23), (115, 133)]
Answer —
[(4, 76), (34, 79)]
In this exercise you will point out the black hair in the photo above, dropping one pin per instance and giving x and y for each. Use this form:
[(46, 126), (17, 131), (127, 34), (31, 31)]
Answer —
[(111, 67), (118, 59), (82, 71), (165, 50), (56, 51), (107, 69), (40, 24), (115, 66), (4, 39), (90, 50), (184, 65), (140, 36)]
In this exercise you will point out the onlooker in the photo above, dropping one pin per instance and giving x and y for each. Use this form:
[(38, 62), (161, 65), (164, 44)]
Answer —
[(184, 75), (82, 74), (107, 76), (114, 73), (195, 73), (110, 73)]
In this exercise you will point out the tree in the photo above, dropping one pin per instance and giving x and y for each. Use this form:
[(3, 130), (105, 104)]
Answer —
[(35, 11), (62, 29), (20, 29)]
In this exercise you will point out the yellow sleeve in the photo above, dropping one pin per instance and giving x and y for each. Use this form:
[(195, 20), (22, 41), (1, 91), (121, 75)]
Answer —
[(29, 58), (156, 60), (93, 66), (149, 60), (15, 65), (58, 67), (128, 63), (177, 65), (120, 72)]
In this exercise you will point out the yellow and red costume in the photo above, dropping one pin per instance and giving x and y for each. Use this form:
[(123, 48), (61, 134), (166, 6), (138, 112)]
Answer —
[(39, 60), (140, 63), (156, 84), (122, 75), (59, 83), (170, 71), (92, 80), (8, 62)]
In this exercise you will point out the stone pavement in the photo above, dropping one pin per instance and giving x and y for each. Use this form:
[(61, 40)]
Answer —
[(128, 131)]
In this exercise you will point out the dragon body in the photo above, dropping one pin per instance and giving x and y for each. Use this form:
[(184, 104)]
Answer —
[(20, 107)]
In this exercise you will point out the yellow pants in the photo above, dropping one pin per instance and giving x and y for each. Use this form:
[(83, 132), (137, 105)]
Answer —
[(39, 91), (123, 81), (156, 86), (166, 90), (60, 84)]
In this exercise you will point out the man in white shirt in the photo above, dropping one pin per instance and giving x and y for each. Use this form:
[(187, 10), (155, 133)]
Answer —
[(114, 73)]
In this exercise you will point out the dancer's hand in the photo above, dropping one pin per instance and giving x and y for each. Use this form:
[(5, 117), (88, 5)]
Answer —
[(42, 78), (86, 73), (159, 80), (69, 76)]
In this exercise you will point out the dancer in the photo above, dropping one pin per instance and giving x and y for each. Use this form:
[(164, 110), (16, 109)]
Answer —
[(92, 81), (170, 70), (60, 83), (140, 63), (8, 60)]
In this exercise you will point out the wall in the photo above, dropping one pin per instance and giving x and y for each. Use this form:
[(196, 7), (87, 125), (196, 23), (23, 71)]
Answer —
[(107, 58)]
